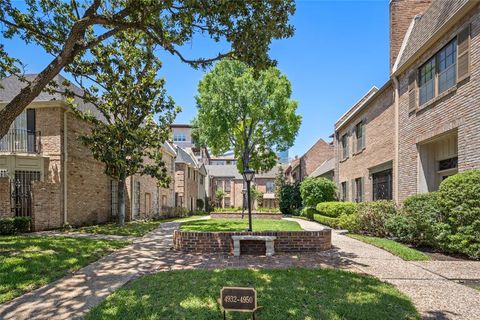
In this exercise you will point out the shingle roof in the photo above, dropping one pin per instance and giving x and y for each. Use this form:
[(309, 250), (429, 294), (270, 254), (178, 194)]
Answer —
[(184, 157), (269, 174), (11, 86), (226, 170), (437, 14), (326, 166)]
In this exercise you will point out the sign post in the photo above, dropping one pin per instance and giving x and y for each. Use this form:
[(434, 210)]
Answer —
[(238, 299)]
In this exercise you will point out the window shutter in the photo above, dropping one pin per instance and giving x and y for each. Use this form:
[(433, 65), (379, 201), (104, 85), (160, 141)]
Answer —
[(364, 127), (353, 196), (412, 91), (346, 191), (463, 54), (362, 183), (347, 145)]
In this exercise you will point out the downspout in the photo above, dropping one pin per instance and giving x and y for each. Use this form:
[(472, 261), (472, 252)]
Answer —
[(65, 156), (396, 136)]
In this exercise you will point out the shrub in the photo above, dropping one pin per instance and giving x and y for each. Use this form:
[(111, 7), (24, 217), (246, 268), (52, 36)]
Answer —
[(309, 213), (328, 221), (21, 224), (336, 209), (290, 200), (350, 222), (416, 220), (373, 215), (7, 226), (459, 227), (200, 204), (316, 190)]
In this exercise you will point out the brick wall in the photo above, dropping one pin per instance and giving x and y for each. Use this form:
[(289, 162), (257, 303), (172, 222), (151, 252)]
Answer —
[(47, 206), (458, 111), (314, 157), (379, 116), (401, 15), (5, 207), (221, 242), (186, 186), (236, 215)]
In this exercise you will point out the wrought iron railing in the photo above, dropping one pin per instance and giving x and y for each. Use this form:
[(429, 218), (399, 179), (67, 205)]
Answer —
[(21, 141)]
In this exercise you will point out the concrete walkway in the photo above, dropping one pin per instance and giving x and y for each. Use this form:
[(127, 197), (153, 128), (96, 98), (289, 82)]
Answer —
[(430, 284)]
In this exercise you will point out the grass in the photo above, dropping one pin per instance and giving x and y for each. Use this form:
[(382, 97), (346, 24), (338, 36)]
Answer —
[(28, 262), (398, 249), (240, 225), (283, 294), (136, 228)]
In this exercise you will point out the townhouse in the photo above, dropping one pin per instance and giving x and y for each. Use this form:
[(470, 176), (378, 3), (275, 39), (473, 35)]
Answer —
[(423, 124), (227, 179), (47, 174)]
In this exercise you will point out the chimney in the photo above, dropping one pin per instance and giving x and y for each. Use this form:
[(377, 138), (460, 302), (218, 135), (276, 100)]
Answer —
[(402, 13)]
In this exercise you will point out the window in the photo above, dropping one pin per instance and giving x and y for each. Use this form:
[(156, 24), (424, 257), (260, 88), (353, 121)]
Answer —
[(359, 190), (439, 73), (382, 185), (344, 142), (179, 137), (188, 173), (227, 202), (219, 185), (228, 186), (343, 195), (201, 179), (448, 164), (114, 202), (270, 186), (427, 81), (136, 199), (360, 136), (447, 71)]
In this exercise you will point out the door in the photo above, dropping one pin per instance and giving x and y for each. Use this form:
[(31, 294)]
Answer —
[(22, 192), (382, 185)]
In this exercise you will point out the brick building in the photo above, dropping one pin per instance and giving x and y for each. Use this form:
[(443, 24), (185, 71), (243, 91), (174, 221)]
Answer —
[(48, 174), (423, 124), (303, 166), (230, 181)]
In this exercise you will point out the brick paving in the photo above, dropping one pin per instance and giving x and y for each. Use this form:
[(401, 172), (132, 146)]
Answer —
[(427, 284)]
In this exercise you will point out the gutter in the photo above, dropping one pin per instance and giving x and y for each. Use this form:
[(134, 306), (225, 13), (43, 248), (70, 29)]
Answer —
[(65, 157), (396, 92)]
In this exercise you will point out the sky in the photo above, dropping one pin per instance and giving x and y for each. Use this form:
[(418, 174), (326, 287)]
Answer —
[(338, 52)]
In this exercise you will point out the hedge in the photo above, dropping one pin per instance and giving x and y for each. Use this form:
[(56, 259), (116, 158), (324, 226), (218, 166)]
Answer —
[(315, 190), (9, 226), (328, 221), (335, 209)]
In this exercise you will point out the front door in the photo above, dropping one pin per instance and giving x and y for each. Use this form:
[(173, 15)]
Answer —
[(22, 192), (382, 185)]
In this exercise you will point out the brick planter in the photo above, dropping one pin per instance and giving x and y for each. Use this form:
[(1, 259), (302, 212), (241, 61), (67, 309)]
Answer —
[(234, 215), (221, 242)]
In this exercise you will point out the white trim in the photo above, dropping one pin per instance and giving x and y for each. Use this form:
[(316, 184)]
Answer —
[(405, 41)]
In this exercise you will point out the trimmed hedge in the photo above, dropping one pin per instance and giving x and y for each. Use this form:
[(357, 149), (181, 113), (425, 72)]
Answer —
[(309, 213), (336, 209), (372, 216), (10, 226), (328, 221)]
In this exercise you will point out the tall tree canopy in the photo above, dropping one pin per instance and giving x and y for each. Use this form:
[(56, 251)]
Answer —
[(69, 29), (127, 94), (249, 112)]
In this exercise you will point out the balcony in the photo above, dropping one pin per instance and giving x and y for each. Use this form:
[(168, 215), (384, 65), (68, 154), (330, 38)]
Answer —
[(20, 141)]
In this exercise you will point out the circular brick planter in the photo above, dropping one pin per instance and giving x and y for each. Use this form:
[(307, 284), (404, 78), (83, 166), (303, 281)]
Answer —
[(235, 215), (221, 242)]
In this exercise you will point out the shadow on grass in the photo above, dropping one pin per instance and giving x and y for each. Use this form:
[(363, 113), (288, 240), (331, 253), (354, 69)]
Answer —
[(231, 225), (283, 293)]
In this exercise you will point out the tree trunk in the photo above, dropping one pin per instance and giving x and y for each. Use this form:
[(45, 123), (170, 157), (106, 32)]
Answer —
[(121, 199)]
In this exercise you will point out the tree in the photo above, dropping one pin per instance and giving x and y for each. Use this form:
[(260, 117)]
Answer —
[(279, 181), (124, 134), (68, 30), (256, 195), (249, 112), (290, 200), (316, 190), (219, 195)]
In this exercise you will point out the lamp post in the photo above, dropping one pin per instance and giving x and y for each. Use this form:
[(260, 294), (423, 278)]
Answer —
[(244, 192), (248, 175)]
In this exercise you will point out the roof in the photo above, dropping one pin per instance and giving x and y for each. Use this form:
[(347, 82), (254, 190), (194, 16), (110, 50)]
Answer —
[(326, 166), (180, 125), (224, 170), (184, 157), (169, 148), (12, 86), (426, 26), (269, 174)]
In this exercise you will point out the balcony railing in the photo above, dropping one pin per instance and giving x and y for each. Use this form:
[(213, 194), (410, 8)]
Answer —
[(20, 141)]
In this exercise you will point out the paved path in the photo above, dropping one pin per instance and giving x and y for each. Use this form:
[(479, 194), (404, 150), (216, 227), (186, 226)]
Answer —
[(430, 284)]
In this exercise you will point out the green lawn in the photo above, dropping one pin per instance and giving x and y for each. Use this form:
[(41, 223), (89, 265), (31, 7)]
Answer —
[(398, 249), (136, 228), (283, 294), (28, 262), (240, 225)]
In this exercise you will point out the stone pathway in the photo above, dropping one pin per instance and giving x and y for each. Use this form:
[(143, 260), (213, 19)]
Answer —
[(431, 285), (428, 284)]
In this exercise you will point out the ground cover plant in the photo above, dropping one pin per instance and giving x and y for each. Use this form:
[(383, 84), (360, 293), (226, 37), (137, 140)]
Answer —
[(283, 294), (29, 262), (398, 249), (240, 225)]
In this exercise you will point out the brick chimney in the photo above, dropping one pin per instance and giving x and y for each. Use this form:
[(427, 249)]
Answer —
[(401, 14)]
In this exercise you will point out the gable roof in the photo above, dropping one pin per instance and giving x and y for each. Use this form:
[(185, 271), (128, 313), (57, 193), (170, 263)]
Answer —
[(356, 107), (326, 166), (425, 26), (224, 170), (184, 157)]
